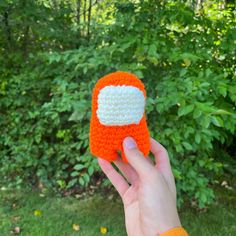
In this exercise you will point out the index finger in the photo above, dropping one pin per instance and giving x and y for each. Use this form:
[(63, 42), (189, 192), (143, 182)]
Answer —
[(163, 163)]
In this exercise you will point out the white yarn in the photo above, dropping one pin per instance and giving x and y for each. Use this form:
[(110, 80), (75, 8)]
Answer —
[(120, 105)]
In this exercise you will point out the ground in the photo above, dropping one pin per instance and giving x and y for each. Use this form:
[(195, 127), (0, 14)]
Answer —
[(49, 215)]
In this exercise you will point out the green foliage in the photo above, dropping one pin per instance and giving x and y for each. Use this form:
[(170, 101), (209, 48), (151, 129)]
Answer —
[(186, 61)]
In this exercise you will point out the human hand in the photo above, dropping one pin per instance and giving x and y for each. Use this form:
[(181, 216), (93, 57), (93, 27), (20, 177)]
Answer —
[(148, 190)]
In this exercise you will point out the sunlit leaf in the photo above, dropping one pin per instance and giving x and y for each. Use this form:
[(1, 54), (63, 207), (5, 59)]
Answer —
[(103, 230), (37, 213), (76, 227)]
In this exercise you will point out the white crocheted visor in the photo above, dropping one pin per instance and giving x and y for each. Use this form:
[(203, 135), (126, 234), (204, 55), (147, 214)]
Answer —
[(120, 105)]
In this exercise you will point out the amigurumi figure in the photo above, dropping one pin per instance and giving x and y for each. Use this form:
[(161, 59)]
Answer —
[(118, 111)]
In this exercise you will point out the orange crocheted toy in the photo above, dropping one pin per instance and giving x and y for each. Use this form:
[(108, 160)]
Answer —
[(118, 111)]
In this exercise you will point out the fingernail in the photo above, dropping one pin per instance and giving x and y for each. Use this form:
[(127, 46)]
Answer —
[(130, 143)]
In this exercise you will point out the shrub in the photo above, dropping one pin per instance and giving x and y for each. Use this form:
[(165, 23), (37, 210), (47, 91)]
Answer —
[(187, 67)]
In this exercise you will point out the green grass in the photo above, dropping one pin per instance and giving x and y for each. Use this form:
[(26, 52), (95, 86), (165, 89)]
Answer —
[(58, 215), (218, 220)]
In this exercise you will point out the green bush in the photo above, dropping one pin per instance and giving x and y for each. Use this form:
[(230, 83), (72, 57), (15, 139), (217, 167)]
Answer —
[(187, 64)]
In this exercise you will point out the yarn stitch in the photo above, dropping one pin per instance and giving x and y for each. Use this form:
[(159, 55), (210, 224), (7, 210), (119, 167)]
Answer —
[(118, 103)]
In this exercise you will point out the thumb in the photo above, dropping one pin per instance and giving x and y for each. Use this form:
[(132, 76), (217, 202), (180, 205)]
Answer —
[(135, 158)]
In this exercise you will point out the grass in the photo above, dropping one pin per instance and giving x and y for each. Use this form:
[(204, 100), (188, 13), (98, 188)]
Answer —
[(218, 220), (59, 214)]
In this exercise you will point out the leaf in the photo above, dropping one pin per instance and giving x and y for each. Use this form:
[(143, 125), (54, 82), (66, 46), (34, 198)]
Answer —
[(139, 73), (80, 110), (76, 227), (187, 62), (197, 113), (90, 170), (79, 167), (37, 213), (86, 177), (177, 174), (222, 90), (185, 110), (183, 72), (221, 112), (205, 107), (152, 50), (190, 57), (103, 230), (187, 146), (72, 183), (85, 69), (76, 116), (60, 133), (203, 198), (217, 121), (81, 181), (61, 183), (205, 121), (197, 138), (74, 173)]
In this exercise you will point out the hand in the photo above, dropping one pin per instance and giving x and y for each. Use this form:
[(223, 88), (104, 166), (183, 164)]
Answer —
[(148, 190)]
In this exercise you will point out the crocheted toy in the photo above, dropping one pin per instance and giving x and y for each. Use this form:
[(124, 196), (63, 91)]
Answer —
[(118, 104)]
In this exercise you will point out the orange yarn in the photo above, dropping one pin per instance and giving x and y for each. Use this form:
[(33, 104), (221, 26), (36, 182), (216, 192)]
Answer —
[(106, 140), (178, 231)]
